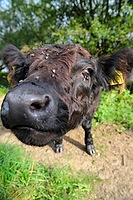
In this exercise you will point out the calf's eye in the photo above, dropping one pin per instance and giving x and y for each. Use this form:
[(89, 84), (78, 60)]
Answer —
[(87, 73)]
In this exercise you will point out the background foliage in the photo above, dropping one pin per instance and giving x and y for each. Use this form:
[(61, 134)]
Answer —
[(116, 108), (101, 26)]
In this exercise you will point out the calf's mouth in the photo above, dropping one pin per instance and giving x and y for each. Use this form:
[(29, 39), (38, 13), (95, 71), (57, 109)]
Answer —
[(32, 136)]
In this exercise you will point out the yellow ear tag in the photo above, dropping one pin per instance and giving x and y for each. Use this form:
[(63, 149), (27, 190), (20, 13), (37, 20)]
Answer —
[(13, 67), (10, 74), (119, 78), (9, 77)]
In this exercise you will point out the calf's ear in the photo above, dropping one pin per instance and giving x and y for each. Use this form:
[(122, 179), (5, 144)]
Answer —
[(112, 67), (14, 60)]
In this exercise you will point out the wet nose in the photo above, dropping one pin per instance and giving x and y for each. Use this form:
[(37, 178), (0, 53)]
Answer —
[(25, 108)]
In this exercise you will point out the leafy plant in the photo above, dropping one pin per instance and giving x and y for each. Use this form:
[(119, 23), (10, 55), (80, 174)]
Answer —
[(100, 26), (116, 108)]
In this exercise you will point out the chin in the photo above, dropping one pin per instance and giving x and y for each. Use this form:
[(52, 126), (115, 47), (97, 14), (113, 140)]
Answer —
[(34, 137)]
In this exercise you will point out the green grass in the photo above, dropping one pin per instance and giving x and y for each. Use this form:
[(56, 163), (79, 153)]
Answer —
[(23, 179), (4, 86), (3, 90), (116, 108)]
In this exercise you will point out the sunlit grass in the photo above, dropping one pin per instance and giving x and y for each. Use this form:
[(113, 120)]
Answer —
[(21, 178), (3, 90), (116, 108)]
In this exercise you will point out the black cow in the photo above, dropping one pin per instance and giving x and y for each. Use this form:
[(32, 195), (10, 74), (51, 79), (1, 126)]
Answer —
[(56, 88)]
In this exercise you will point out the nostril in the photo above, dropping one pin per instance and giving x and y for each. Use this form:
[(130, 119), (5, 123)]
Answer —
[(37, 105)]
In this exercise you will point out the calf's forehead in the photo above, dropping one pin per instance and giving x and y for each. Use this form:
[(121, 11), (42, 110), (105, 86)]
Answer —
[(55, 57)]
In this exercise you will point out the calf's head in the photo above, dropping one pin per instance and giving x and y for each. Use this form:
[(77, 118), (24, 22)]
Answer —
[(55, 88), (50, 96)]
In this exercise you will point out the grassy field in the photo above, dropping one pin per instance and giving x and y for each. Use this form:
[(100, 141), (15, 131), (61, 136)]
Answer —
[(116, 108), (23, 179)]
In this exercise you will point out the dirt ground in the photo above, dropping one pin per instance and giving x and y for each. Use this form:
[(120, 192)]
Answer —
[(113, 162)]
